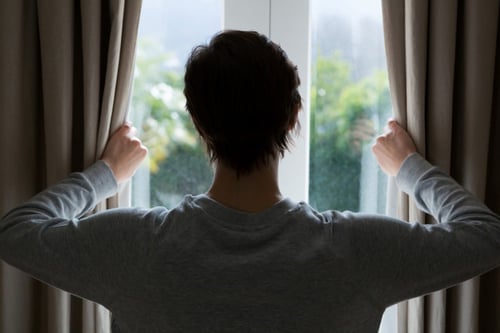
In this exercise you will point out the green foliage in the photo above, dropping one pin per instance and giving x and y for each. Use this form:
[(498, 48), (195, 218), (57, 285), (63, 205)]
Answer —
[(186, 171), (158, 104), (344, 115), (176, 159)]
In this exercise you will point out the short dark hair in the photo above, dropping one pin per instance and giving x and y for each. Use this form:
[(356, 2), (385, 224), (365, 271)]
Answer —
[(242, 94)]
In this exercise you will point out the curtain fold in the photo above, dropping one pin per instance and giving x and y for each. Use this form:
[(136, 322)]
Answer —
[(66, 69), (444, 60)]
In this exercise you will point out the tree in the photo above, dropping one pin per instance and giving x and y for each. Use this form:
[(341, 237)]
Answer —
[(343, 116), (176, 158)]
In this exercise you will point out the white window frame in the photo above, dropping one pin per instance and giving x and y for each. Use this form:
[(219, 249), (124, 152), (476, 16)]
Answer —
[(286, 23)]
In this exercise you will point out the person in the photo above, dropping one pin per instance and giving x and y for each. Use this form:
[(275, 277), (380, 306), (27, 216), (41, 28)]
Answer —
[(242, 257)]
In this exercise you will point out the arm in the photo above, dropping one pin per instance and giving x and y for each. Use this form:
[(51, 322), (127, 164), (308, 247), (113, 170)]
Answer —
[(49, 238), (406, 260), (434, 191)]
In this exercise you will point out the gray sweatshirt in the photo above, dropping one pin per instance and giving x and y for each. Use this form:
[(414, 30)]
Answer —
[(202, 267)]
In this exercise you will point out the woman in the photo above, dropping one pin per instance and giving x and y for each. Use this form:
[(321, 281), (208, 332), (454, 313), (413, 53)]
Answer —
[(241, 257)]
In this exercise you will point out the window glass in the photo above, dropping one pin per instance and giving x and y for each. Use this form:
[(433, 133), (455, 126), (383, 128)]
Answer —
[(177, 164), (349, 103)]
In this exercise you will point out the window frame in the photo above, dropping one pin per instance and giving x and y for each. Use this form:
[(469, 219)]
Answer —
[(288, 24)]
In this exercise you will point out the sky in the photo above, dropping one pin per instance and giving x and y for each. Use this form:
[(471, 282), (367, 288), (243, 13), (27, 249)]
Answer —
[(180, 25), (357, 9)]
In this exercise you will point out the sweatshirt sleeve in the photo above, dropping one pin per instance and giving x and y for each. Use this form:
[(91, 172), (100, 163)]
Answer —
[(400, 260), (439, 195), (50, 238)]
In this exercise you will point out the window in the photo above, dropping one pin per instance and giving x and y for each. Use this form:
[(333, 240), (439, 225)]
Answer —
[(177, 165), (338, 48), (350, 102)]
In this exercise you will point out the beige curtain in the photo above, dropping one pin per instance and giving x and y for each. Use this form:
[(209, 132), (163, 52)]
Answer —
[(65, 77), (444, 73)]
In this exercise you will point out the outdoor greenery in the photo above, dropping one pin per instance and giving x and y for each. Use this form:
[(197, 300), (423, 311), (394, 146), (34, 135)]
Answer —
[(344, 117), (177, 161)]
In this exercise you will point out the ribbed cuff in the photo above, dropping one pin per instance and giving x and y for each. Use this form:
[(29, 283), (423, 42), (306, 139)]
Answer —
[(102, 179), (412, 168)]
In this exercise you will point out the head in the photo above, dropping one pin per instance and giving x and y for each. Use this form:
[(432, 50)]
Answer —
[(242, 94)]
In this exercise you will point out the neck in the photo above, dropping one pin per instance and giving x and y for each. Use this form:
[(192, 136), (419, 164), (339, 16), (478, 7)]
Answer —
[(252, 192)]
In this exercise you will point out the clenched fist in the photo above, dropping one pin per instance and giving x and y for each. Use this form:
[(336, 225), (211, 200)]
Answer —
[(124, 153), (392, 148)]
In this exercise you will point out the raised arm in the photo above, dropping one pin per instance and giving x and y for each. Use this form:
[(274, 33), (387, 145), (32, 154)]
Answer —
[(397, 260), (433, 191), (49, 237)]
